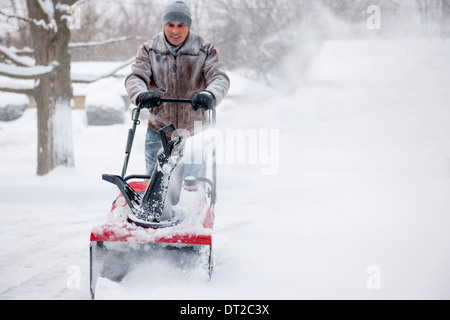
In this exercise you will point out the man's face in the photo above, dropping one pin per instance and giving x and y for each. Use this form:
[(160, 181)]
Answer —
[(176, 32)]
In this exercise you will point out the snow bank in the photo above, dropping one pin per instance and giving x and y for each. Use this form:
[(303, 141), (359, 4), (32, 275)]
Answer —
[(105, 108), (12, 106)]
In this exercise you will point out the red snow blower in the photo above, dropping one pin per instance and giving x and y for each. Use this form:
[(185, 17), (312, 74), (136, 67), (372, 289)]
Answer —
[(167, 214)]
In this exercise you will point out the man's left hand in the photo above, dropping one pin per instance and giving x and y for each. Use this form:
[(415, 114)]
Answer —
[(204, 100)]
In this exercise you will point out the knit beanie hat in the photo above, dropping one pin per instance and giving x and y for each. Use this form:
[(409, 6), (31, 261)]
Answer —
[(177, 11)]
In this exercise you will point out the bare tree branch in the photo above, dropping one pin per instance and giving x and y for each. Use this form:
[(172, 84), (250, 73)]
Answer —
[(17, 89), (76, 3), (80, 45), (20, 61), (40, 23), (77, 45), (13, 16), (24, 51), (17, 72), (89, 79)]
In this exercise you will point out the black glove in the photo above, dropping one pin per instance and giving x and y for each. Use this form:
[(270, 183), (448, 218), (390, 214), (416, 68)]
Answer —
[(150, 99), (204, 100)]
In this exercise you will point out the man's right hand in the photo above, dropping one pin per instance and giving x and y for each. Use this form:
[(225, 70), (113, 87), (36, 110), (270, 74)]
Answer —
[(150, 99)]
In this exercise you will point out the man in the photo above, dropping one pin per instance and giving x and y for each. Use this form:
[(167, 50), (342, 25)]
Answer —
[(176, 63)]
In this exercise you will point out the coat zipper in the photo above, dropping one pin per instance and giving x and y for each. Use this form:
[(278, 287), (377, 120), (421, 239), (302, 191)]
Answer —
[(175, 73)]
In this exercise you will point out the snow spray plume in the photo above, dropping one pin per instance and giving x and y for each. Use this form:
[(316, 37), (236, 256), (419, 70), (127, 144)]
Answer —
[(316, 25), (237, 146), (351, 19)]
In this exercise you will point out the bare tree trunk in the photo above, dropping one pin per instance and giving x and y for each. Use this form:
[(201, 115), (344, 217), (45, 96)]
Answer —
[(54, 93)]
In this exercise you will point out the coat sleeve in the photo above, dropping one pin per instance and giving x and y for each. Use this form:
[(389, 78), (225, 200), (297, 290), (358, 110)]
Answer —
[(217, 80), (140, 77)]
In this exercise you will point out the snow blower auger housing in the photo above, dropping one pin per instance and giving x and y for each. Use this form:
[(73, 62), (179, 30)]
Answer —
[(166, 215)]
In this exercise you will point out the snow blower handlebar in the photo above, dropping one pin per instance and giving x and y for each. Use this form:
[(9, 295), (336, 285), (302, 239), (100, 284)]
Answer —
[(136, 122), (176, 100), (131, 133)]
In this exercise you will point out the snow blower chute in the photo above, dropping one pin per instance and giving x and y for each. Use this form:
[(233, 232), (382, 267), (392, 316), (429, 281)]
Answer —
[(169, 214)]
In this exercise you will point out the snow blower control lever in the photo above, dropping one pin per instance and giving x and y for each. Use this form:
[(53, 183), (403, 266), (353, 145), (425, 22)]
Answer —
[(168, 145)]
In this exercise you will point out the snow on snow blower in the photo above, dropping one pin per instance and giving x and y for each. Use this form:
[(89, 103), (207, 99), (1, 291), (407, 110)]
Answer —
[(169, 214)]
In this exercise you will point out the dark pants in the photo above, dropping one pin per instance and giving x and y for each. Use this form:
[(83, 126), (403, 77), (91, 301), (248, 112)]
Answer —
[(152, 145)]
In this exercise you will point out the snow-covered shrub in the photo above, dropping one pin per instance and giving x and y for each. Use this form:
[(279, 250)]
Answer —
[(104, 109), (12, 106)]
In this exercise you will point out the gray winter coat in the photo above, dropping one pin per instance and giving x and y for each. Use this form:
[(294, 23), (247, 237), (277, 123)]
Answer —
[(195, 68)]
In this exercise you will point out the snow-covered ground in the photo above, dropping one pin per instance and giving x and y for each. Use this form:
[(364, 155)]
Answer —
[(356, 205)]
